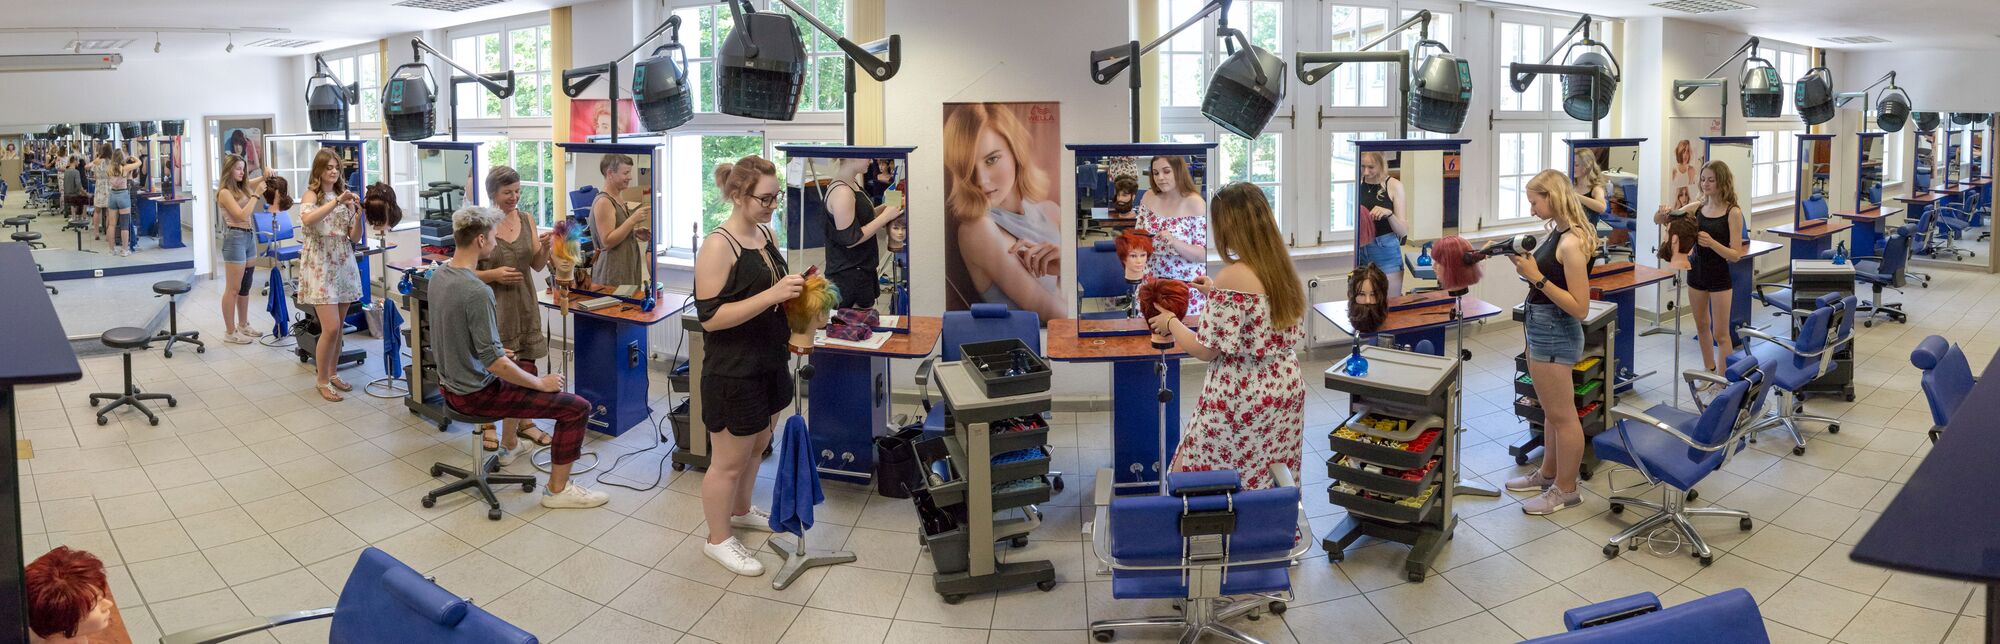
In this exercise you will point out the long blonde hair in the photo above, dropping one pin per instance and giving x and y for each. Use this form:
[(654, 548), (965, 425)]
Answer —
[(321, 161), (1247, 232), (1588, 175), (229, 181), (1553, 186), (1725, 182), (961, 158)]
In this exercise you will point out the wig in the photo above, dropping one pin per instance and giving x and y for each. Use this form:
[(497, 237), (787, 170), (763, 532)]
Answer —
[(1133, 238), (379, 203), (1367, 317), (816, 300), (1163, 295), (1682, 233), (1457, 267), (278, 194), (568, 244), (63, 586)]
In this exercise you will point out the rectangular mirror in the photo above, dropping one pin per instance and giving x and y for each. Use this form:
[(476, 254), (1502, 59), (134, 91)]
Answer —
[(1144, 189), (612, 195), (1815, 171), (852, 223), (447, 179), (39, 158), (1868, 172), (1736, 152), (1924, 162), (1611, 165)]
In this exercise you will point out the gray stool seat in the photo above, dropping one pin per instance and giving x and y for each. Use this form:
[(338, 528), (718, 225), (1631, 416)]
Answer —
[(480, 479), (171, 287), (28, 236), (128, 339), (20, 222)]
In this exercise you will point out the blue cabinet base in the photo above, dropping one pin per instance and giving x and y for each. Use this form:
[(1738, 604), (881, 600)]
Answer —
[(848, 406), (611, 372), (1135, 423)]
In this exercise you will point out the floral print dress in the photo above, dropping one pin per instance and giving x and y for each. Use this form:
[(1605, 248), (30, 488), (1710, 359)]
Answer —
[(327, 273), (1166, 263), (1252, 408)]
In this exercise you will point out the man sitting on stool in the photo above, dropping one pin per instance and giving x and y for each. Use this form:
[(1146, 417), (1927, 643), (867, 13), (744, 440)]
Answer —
[(479, 378)]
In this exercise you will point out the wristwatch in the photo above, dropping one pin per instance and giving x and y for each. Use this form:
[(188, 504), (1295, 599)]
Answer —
[(1542, 282)]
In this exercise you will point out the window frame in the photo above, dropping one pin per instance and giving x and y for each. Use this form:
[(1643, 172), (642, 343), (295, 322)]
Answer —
[(541, 78), (347, 65)]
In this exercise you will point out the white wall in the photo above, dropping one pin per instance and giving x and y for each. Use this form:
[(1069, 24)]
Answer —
[(155, 88), (1937, 80)]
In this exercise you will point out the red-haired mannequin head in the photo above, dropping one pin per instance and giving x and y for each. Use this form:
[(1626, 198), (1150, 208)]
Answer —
[(1135, 249), (1163, 296), (68, 596)]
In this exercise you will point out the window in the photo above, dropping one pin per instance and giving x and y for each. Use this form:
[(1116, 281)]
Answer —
[(707, 24), (498, 47), (696, 205), (1774, 168), (1520, 157), (1182, 63), (1184, 68), (1522, 43), (360, 67), (1358, 85), (1791, 66)]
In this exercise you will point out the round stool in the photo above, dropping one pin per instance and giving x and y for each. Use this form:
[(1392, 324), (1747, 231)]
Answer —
[(19, 222), (32, 239), (480, 478), (128, 339), (172, 289)]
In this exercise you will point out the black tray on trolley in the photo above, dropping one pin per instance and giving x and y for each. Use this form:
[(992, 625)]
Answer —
[(953, 493), (991, 362), (1377, 482), (1384, 510), (1385, 456)]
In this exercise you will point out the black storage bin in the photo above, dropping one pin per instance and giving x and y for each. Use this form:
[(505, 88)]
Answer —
[(993, 360), (681, 420), (896, 471)]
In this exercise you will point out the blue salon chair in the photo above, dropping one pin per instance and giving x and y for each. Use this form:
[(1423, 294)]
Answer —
[(384, 601), (1815, 208), (1909, 230), (1206, 539), (1947, 379), (1100, 273), (1728, 616), (272, 230), (982, 323), (1793, 363), (1680, 449), (1952, 221), (1884, 271)]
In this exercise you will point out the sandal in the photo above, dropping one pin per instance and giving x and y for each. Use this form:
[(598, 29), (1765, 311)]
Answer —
[(340, 384), (539, 437), (489, 438), (326, 391)]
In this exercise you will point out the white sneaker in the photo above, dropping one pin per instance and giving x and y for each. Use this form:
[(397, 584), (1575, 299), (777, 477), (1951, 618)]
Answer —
[(250, 333), (506, 456), (733, 556), (573, 496), (235, 337), (756, 519)]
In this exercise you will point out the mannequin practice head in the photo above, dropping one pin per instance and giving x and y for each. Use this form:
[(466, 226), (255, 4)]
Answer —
[(68, 595), (1367, 298), (1457, 267), (1682, 232), (565, 250), (278, 194), (1163, 296), (809, 311), (379, 203), (1135, 249), (1124, 193), (899, 233)]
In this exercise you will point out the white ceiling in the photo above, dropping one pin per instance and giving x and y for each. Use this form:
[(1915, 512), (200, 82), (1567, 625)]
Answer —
[(1907, 24), (334, 22)]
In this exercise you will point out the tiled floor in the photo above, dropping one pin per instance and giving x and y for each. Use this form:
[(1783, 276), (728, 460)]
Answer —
[(253, 496)]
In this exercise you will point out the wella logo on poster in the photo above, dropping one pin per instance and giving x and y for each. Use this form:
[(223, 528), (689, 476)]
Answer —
[(1041, 114)]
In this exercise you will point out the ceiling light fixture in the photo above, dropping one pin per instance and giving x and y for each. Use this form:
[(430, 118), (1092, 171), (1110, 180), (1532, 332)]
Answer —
[(156, 42), (76, 46)]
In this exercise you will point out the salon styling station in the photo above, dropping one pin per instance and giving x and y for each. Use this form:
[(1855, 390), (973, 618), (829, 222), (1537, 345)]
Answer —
[(607, 325), (37, 352), (1595, 394), (1618, 284), (1145, 394), (1395, 460), (993, 459)]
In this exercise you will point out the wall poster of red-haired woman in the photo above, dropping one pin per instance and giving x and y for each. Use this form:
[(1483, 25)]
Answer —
[(1003, 239)]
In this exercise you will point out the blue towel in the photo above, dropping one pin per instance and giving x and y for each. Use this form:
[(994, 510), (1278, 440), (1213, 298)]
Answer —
[(281, 312), (392, 340), (797, 490)]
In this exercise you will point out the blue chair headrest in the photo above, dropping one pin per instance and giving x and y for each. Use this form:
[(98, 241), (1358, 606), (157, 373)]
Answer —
[(1740, 368), (423, 597), (1929, 352), (1203, 482), (1826, 300), (989, 310), (1105, 246)]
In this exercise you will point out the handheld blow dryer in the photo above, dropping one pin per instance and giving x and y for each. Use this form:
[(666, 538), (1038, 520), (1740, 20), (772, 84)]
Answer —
[(1458, 263)]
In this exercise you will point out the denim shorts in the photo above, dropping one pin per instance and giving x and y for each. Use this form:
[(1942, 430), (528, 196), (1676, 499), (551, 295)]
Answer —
[(1386, 251), (1553, 336), (237, 245), (119, 200)]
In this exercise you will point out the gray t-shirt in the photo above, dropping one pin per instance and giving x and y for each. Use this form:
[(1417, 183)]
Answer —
[(72, 182), (464, 335)]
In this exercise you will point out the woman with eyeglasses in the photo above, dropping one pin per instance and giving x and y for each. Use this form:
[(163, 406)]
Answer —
[(740, 286), (618, 228)]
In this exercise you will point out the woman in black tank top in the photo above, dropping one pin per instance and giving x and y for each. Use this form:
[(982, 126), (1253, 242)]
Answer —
[(852, 221), (1720, 244), (1558, 276), (740, 282)]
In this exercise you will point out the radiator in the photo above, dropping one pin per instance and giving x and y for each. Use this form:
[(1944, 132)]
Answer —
[(1331, 287)]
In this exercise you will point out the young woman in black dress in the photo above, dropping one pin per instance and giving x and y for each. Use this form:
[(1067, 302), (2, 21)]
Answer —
[(1719, 244)]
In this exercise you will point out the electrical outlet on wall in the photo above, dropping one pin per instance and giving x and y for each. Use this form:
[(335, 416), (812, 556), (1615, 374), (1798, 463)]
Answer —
[(97, 272)]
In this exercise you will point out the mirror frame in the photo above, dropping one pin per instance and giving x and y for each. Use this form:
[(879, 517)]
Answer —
[(901, 155), (1749, 143), (1800, 187), (1419, 230), (650, 290), (1606, 144)]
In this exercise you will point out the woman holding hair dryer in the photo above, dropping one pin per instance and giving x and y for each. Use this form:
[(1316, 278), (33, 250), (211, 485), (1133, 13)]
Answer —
[(1558, 276)]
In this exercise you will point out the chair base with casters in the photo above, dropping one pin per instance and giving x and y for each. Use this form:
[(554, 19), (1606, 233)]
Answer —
[(172, 290), (1676, 450), (480, 478), (128, 339), (52, 289)]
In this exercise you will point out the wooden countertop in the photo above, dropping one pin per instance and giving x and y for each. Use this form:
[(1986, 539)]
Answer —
[(1813, 232), (922, 338), (1065, 346), (669, 304), (1411, 313), (1759, 247), (1873, 214), (1614, 278), (1925, 199)]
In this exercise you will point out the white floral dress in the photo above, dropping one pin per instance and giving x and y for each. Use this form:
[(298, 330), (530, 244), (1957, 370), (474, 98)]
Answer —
[(327, 274), (1166, 263), (1252, 408)]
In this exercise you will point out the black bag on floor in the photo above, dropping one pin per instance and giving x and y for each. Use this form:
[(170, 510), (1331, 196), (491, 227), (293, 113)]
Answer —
[(896, 463)]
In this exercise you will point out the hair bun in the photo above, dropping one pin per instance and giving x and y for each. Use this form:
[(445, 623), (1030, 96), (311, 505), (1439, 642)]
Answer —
[(277, 194), (379, 205)]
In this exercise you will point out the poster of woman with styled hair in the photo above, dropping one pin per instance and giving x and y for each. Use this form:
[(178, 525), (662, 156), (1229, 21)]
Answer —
[(1003, 244)]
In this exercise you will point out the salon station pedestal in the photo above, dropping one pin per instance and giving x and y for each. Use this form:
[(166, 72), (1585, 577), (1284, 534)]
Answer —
[(850, 396), (159, 216), (1394, 462), (1136, 385), (1414, 318), (611, 356)]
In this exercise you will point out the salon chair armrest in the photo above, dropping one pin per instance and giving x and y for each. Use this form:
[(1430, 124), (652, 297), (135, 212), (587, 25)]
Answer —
[(1786, 344), (1631, 413), (1623, 607), (233, 629)]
